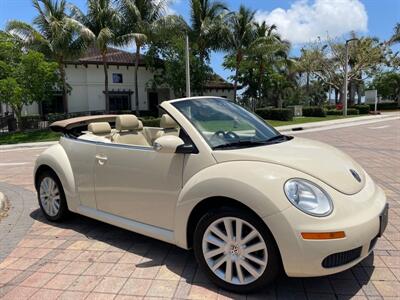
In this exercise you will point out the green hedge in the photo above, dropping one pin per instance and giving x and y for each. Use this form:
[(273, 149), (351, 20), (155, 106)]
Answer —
[(334, 112), (363, 109), (384, 106), (151, 122), (350, 111), (314, 111), (281, 114)]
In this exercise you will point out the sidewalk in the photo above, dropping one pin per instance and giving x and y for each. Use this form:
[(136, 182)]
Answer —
[(309, 127)]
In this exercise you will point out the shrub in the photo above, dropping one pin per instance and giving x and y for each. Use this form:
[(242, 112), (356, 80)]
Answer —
[(314, 111), (363, 109), (30, 122), (330, 106), (334, 112), (353, 111), (384, 106), (281, 114), (151, 122)]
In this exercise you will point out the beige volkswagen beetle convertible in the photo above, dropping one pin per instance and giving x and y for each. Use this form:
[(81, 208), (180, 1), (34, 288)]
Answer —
[(214, 177)]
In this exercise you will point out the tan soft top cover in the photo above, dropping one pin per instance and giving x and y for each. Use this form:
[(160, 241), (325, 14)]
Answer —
[(68, 124)]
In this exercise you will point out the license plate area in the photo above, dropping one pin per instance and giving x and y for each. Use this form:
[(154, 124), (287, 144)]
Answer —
[(383, 220)]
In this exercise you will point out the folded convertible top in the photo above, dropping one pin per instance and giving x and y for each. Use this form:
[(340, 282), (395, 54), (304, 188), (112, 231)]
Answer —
[(68, 124)]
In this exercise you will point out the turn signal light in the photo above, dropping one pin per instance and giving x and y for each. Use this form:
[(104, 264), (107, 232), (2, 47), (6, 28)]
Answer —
[(323, 235)]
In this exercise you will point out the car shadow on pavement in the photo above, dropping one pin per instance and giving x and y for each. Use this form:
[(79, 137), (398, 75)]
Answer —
[(159, 260)]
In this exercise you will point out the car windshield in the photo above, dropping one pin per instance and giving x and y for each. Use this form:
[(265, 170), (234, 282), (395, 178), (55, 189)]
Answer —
[(226, 125)]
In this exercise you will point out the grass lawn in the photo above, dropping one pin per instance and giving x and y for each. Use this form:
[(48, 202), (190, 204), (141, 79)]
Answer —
[(28, 137)]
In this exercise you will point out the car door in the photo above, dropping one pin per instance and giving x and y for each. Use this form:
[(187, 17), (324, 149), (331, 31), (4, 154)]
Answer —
[(138, 183), (81, 155)]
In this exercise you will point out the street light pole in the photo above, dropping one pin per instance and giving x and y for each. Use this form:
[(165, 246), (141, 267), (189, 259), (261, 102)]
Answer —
[(345, 76), (187, 66)]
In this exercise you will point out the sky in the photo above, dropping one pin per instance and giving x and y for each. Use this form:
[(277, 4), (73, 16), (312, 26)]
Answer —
[(299, 21)]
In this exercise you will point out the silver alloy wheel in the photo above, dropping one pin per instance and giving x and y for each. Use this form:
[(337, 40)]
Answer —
[(49, 194), (234, 250)]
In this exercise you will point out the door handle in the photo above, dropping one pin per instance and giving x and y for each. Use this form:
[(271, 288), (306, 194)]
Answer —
[(101, 159)]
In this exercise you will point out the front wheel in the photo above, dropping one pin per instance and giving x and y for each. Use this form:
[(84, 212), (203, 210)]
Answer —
[(51, 196), (236, 250)]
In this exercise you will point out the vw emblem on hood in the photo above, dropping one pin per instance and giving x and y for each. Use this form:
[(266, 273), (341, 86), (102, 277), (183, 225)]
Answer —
[(355, 175)]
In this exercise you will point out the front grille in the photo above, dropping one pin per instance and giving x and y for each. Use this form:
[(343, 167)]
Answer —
[(372, 244), (341, 258)]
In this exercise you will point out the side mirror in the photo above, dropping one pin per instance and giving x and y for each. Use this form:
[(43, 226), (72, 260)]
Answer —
[(167, 144)]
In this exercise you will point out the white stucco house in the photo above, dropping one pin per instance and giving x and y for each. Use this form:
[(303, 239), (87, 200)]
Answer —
[(85, 76)]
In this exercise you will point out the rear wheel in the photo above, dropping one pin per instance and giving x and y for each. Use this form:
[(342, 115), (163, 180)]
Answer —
[(236, 250), (51, 196)]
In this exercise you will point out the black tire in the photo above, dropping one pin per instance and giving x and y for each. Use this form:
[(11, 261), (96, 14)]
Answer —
[(63, 211), (273, 268)]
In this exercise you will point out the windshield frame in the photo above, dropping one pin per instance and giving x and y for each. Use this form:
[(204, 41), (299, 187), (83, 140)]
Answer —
[(275, 132)]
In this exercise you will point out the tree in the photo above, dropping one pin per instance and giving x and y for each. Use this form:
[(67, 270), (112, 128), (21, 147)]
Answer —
[(326, 62), (240, 34), (144, 20), (58, 36), (102, 21), (28, 78), (166, 57), (265, 56), (388, 85), (207, 28), (396, 35)]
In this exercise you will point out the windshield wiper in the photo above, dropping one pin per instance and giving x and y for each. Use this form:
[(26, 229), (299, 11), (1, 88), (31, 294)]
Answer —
[(273, 140), (277, 138), (238, 144)]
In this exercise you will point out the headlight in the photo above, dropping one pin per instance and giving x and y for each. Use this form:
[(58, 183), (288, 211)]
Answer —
[(308, 197)]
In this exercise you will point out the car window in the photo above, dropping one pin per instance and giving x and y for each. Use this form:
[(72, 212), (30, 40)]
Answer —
[(226, 125)]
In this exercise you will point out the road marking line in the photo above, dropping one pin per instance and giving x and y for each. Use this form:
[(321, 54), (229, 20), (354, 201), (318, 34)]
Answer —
[(22, 149), (379, 127)]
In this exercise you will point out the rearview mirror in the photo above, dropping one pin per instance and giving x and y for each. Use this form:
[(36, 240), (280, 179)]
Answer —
[(167, 144)]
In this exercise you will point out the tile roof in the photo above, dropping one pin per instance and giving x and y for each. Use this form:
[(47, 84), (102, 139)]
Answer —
[(121, 57)]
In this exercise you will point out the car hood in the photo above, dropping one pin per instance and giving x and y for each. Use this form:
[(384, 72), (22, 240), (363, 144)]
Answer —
[(317, 159)]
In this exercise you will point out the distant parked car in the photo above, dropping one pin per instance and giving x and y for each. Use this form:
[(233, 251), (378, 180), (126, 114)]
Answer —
[(218, 179)]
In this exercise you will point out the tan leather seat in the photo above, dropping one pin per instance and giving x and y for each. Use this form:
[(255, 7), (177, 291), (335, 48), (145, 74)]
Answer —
[(129, 131), (168, 125), (98, 132)]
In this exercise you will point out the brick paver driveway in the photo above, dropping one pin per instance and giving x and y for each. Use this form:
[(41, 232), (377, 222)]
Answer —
[(83, 258)]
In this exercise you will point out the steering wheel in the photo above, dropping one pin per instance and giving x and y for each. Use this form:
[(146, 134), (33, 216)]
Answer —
[(225, 136), (230, 135)]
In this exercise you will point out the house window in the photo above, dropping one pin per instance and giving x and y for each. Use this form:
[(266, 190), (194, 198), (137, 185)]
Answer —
[(117, 78)]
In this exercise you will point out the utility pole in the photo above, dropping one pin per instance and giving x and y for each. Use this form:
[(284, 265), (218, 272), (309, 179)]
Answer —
[(187, 66), (345, 76)]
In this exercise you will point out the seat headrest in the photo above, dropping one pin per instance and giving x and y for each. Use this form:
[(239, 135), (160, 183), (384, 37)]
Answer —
[(127, 122), (167, 122), (99, 127)]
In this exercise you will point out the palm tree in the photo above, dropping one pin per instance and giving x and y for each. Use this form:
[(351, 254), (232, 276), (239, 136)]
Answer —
[(207, 18), (396, 35), (102, 20), (58, 36), (240, 33), (267, 50), (142, 21)]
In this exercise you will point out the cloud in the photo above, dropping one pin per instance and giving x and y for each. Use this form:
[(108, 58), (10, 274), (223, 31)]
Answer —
[(168, 5), (305, 21)]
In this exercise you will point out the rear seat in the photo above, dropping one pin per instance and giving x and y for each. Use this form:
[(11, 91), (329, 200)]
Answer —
[(98, 132), (168, 125), (129, 131)]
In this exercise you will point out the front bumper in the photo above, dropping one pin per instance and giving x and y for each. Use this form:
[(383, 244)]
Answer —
[(357, 215)]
